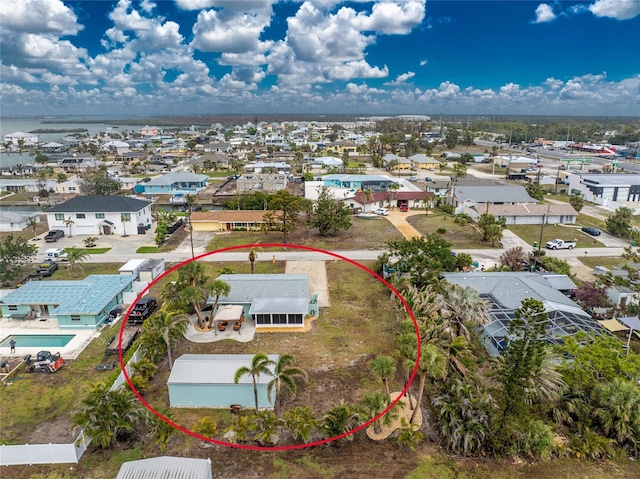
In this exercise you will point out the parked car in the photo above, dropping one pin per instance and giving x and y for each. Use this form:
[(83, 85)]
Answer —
[(117, 310), (560, 244), (381, 211), (53, 236), (47, 268), (591, 230), (143, 309)]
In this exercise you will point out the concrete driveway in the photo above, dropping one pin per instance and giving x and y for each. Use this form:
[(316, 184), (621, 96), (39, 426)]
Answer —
[(399, 219)]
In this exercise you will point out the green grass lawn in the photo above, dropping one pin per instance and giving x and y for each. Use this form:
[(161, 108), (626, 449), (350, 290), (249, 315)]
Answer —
[(363, 234), (606, 261), (531, 234), (148, 249), (95, 250), (460, 236)]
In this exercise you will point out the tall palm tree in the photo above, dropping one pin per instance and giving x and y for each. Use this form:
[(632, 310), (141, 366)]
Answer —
[(432, 364), (125, 218), (284, 373), (33, 224), (171, 326), (463, 309), (260, 364), (219, 288), (300, 421), (75, 256), (383, 368), (69, 223), (340, 420)]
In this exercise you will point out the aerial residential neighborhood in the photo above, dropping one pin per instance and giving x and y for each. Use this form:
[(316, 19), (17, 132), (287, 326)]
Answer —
[(319, 239)]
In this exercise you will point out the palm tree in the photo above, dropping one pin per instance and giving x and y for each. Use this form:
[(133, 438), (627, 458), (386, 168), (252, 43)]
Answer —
[(125, 218), (300, 421), (383, 368), (340, 420), (463, 308), (219, 288), (69, 223), (374, 404), (432, 363), (161, 430), (171, 326), (260, 364), (191, 284), (619, 411), (75, 256), (284, 373), (105, 415), (206, 427), (409, 435), (32, 223), (266, 424)]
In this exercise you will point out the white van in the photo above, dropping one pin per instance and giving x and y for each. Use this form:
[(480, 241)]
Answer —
[(58, 254)]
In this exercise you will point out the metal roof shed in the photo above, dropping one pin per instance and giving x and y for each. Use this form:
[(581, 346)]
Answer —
[(166, 467), (206, 380)]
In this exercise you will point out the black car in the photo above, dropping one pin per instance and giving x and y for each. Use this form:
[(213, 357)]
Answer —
[(590, 230), (53, 236), (113, 314), (142, 310)]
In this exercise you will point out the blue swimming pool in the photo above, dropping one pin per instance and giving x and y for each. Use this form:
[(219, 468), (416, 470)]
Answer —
[(38, 340)]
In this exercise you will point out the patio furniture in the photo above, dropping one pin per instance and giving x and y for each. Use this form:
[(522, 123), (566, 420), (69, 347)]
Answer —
[(221, 327)]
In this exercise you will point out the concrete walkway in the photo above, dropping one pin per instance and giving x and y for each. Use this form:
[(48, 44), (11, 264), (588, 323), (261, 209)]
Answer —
[(399, 219), (244, 334)]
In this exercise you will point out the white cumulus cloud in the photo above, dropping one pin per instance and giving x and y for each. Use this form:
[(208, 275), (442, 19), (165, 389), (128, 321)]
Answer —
[(618, 9), (544, 13)]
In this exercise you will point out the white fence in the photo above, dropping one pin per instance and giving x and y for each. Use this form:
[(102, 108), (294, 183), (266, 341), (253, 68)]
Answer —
[(28, 454)]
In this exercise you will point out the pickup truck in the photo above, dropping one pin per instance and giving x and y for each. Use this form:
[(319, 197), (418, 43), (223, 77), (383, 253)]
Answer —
[(142, 310), (53, 236), (47, 268), (561, 244)]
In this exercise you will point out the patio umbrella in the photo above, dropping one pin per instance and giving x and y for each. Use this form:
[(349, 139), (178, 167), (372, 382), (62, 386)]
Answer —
[(634, 324)]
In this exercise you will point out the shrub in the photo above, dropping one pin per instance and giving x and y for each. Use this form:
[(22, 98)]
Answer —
[(535, 441), (441, 231)]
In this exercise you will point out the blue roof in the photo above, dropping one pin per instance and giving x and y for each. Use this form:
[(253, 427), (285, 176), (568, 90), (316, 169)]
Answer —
[(87, 296)]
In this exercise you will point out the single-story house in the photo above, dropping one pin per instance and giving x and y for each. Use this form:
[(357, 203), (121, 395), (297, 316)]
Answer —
[(115, 146), (271, 300), (218, 160), (166, 467), (10, 221), (438, 187), (464, 198), (101, 215), (171, 183), (505, 291), (81, 304), (267, 182), (421, 161), (206, 380), (227, 220), (28, 185), (527, 214), (69, 187), (389, 199)]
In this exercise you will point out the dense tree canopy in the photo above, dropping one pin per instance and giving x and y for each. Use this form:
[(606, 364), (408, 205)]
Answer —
[(15, 253), (329, 215), (99, 184)]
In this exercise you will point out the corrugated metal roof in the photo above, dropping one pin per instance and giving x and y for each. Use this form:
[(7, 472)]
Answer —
[(246, 288), (213, 369), (87, 296), (561, 282), (166, 467)]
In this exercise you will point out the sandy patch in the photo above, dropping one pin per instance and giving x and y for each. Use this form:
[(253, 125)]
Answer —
[(318, 282)]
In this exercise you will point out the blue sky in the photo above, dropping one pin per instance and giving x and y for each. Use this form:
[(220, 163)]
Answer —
[(189, 57)]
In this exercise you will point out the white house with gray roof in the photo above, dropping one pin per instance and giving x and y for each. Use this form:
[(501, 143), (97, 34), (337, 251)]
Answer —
[(505, 292), (98, 215), (271, 300)]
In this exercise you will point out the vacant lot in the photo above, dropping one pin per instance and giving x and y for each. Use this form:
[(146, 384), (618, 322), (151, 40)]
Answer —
[(460, 236), (363, 234), (531, 234)]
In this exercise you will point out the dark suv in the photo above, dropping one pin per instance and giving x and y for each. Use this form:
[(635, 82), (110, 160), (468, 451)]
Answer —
[(47, 268), (53, 236), (142, 310), (590, 230)]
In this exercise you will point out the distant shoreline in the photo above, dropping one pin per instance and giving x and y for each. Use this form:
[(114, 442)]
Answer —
[(61, 130)]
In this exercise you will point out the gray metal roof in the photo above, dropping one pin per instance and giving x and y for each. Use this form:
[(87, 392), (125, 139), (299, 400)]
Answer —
[(493, 194), (214, 369), (510, 288), (245, 288), (615, 179), (101, 204), (87, 296), (280, 306), (561, 282), (177, 177), (166, 467)]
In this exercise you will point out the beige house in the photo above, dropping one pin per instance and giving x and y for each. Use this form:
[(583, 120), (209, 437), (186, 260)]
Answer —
[(227, 220)]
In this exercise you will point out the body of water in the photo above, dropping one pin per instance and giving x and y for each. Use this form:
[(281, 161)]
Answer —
[(38, 340)]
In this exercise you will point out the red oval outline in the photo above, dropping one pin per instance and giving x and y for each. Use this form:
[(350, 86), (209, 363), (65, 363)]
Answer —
[(271, 448)]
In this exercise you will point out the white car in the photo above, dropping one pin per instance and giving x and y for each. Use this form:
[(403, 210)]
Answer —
[(381, 211)]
